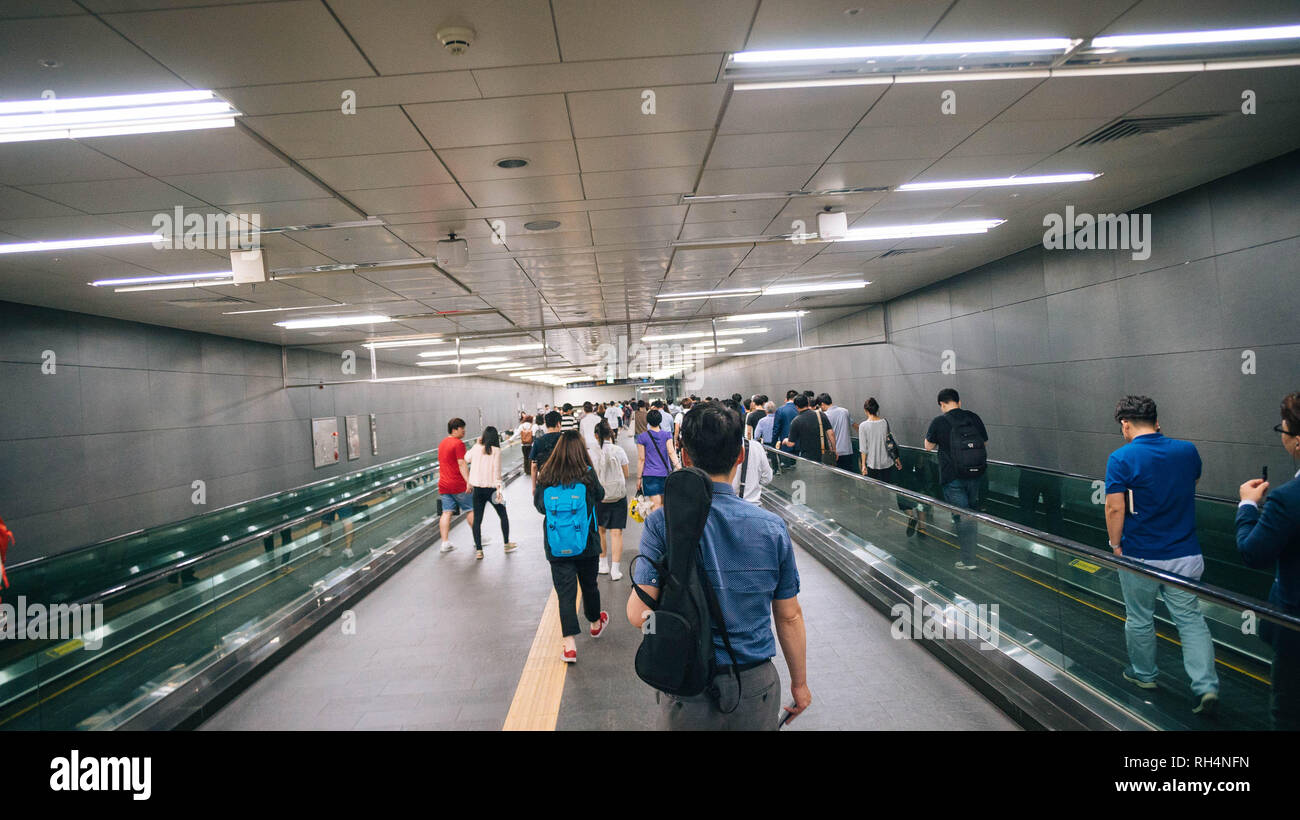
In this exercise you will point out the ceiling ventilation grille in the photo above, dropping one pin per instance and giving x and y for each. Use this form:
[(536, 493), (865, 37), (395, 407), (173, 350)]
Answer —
[(908, 252), (200, 302), (1140, 126)]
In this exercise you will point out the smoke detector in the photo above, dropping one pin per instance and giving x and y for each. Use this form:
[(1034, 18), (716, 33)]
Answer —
[(456, 39)]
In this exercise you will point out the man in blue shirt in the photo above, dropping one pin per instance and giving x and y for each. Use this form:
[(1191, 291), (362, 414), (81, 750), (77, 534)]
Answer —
[(781, 427), (749, 560), (1151, 517)]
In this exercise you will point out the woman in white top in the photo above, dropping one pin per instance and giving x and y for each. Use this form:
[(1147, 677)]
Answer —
[(484, 460), (873, 435), (609, 461)]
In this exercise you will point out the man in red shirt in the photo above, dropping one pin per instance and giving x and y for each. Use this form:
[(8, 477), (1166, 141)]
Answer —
[(453, 480)]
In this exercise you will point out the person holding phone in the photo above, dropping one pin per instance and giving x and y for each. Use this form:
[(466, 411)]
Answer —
[(1268, 536)]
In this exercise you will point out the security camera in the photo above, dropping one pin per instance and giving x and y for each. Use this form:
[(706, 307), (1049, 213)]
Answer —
[(452, 252)]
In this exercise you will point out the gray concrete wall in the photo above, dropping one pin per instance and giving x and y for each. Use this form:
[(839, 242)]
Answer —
[(1046, 341), (134, 413)]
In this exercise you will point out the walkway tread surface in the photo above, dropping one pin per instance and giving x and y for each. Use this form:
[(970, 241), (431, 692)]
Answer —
[(443, 644)]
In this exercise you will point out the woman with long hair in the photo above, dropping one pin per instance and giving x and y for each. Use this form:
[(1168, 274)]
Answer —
[(485, 483), (569, 535), (610, 462), (876, 461)]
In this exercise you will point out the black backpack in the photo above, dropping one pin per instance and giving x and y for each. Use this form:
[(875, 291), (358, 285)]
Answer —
[(966, 445), (676, 652)]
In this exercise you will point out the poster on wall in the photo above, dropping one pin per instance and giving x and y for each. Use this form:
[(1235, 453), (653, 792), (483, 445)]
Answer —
[(354, 437), (374, 437), (325, 441)]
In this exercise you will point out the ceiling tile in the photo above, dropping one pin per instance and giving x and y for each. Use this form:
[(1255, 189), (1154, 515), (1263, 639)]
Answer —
[(544, 159), (238, 187), (515, 191), (408, 198), (492, 122), (605, 29), (676, 108), (365, 171), (643, 151)]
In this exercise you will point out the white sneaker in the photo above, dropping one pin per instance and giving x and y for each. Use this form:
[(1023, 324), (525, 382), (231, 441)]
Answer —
[(603, 567), (447, 546), (326, 552), (614, 572), (347, 553)]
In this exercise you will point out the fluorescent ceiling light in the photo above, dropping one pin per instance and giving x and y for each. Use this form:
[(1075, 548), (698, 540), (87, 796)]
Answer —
[(73, 118), (503, 348), (506, 366), (909, 231), (1178, 38), (777, 85), (701, 334), (175, 285), (1044, 179), (754, 317), (707, 294), (433, 340), (334, 321), (174, 277), (450, 362), (808, 287), (70, 244), (278, 310), (806, 55)]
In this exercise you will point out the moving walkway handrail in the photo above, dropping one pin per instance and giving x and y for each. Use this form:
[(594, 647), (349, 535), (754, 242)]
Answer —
[(132, 533), (1208, 591), (1063, 473)]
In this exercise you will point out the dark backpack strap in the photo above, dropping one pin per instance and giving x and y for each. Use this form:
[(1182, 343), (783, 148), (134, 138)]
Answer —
[(641, 593), (744, 467), (667, 465)]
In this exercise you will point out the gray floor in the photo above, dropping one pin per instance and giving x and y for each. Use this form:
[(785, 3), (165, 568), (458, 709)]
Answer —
[(441, 645)]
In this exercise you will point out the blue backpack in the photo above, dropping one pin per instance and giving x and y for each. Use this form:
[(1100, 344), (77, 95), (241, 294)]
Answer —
[(568, 521)]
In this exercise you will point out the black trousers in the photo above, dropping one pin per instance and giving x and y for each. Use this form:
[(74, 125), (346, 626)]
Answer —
[(483, 497), (528, 462), (847, 463), (887, 475), (1285, 696), (568, 575)]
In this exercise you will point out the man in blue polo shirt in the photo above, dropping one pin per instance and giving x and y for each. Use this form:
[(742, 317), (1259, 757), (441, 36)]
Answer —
[(1151, 517), (749, 560)]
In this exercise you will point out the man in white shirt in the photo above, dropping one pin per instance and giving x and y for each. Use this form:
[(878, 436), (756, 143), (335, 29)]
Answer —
[(614, 415), (755, 469), (677, 420), (587, 426)]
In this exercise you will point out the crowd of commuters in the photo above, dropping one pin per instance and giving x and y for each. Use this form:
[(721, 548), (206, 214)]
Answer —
[(740, 443)]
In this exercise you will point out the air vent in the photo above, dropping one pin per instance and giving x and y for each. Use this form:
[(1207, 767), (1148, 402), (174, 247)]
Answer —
[(908, 252), (220, 300), (1140, 126)]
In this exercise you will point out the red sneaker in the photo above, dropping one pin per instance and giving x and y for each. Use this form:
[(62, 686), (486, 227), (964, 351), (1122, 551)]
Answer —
[(569, 656), (599, 628)]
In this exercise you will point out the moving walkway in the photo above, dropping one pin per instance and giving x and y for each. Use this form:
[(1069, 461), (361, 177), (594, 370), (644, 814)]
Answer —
[(1049, 606), (169, 622)]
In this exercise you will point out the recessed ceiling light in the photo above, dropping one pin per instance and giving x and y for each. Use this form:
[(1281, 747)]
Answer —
[(49, 62), (803, 55), (511, 162), (334, 321), (541, 225)]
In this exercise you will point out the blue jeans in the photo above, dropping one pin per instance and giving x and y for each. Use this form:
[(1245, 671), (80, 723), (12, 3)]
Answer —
[(964, 492), (1184, 610)]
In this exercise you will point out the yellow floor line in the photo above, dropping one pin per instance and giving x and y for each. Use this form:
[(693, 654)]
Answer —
[(536, 705)]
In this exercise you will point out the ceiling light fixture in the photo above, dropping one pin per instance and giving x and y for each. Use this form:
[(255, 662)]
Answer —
[(808, 287), (483, 360), (1044, 179), (175, 285), (511, 162), (542, 225), (755, 317), (334, 321), (1179, 38), (707, 294), (971, 226), (731, 331), (853, 53), (71, 244), (77, 117), (174, 277), (431, 340), (278, 310)]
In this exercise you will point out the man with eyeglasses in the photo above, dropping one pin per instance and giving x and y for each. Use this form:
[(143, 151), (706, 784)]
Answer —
[(1151, 518)]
